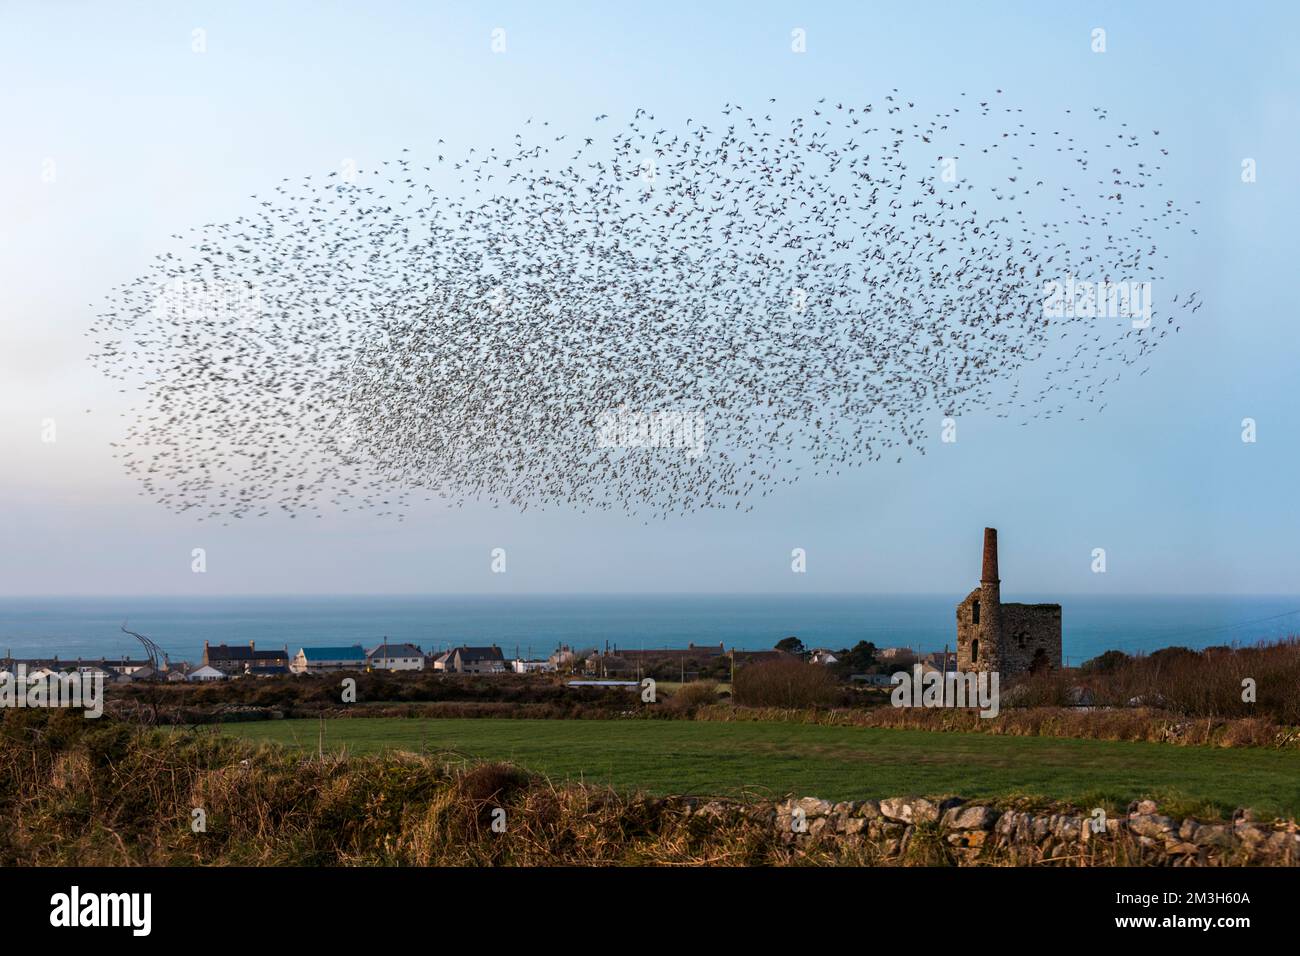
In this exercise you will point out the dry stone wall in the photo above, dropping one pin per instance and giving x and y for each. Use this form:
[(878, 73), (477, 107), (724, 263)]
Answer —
[(970, 833)]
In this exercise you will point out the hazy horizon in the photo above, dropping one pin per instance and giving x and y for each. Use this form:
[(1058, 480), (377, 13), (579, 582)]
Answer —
[(1091, 624), (632, 594)]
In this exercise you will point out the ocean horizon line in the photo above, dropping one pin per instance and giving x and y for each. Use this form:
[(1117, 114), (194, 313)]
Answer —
[(353, 595)]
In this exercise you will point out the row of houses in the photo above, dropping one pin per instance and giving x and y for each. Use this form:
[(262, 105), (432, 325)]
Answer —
[(223, 660), (111, 669)]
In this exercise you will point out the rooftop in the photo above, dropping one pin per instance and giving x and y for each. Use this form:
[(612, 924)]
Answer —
[(353, 653)]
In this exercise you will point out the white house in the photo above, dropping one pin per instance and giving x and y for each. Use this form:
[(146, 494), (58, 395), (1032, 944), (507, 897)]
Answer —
[(205, 673), (520, 666), (315, 660), (396, 657), (822, 656)]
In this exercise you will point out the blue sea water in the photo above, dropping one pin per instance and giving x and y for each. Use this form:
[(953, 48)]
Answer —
[(534, 625)]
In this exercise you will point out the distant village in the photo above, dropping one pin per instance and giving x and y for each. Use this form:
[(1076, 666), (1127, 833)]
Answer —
[(231, 661), (991, 636)]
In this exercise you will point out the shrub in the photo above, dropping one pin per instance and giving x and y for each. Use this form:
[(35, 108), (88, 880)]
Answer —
[(693, 695), (1207, 683), (1106, 663), (785, 683)]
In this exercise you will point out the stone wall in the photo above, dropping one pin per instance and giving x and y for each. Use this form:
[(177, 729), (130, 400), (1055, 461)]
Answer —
[(1009, 640), (970, 630), (1028, 629), (918, 830)]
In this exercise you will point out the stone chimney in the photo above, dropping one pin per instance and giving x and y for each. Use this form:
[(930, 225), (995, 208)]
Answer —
[(990, 628), (989, 575)]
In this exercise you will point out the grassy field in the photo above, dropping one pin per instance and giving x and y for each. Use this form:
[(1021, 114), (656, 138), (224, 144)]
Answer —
[(836, 763)]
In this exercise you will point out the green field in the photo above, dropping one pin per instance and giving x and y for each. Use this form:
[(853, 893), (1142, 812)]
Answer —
[(836, 763)]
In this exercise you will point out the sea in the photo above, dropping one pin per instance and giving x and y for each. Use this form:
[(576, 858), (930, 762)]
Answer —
[(532, 626)]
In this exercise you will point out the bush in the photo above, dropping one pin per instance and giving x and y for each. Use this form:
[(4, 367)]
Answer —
[(785, 683), (693, 695), (1106, 663), (1207, 683)]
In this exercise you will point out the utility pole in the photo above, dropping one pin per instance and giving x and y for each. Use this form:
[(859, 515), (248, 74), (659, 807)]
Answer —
[(945, 676)]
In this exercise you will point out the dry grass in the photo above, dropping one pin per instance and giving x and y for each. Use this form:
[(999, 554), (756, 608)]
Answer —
[(690, 697), (1139, 723), (78, 792)]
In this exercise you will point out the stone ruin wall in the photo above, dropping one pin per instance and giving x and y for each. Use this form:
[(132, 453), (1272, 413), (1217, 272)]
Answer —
[(967, 630), (1026, 629)]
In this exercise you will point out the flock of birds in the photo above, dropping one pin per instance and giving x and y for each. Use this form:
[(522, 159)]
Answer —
[(813, 293)]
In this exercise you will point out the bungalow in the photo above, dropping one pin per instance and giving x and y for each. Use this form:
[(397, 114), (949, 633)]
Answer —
[(822, 656), (691, 652), (95, 670), (316, 660), (120, 670), (871, 680), (205, 673), (472, 660), (564, 657), (940, 660), (126, 667), (608, 665), (742, 658), (396, 657), (269, 670), (237, 658)]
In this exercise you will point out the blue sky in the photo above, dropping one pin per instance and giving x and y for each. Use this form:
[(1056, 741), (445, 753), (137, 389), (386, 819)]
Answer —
[(148, 138)]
